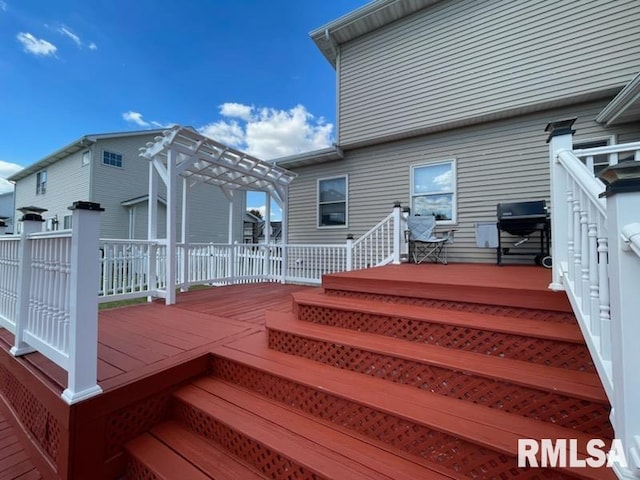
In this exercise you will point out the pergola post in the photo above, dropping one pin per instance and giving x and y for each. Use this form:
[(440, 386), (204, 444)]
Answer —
[(152, 228), (284, 232), (172, 196), (184, 237), (267, 234)]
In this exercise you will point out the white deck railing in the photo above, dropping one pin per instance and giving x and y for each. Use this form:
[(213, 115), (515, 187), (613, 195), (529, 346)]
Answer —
[(48, 296), (596, 260)]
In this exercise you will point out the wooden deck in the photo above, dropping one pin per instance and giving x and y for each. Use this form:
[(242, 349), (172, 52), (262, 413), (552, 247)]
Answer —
[(150, 354)]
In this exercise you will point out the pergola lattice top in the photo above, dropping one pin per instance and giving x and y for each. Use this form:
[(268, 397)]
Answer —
[(204, 160)]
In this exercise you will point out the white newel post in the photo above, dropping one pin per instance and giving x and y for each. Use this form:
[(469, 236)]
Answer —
[(397, 232), (31, 223), (83, 320), (560, 138), (349, 252), (623, 205)]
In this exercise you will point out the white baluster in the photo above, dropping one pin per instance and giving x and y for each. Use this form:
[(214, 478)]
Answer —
[(584, 260), (594, 301), (605, 306)]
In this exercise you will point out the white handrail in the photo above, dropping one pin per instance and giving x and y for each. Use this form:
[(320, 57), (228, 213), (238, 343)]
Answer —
[(596, 259)]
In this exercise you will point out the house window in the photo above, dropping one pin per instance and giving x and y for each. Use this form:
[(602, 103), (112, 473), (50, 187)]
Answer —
[(332, 202), (597, 163), (41, 182), (67, 222), (433, 191), (113, 159)]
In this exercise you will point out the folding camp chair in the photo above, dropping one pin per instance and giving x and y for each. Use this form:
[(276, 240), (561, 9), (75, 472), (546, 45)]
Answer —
[(423, 243)]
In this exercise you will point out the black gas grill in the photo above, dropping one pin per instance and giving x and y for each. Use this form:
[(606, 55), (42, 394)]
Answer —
[(523, 219)]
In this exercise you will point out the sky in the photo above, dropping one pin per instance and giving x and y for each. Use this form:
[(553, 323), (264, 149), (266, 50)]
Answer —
[(243, 72)]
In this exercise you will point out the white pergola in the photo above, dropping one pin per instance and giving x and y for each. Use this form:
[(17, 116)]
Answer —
[(182, 152)]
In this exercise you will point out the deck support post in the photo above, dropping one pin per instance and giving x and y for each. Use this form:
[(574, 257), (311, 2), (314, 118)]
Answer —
[(83, 319), (560, 138), (31, 223), (623, 206)]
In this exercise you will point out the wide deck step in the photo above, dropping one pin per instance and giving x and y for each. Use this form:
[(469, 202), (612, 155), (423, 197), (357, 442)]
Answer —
[(457, 435), (170, 451), (283, 443), (509, 385), (537, 341), (517, 287)]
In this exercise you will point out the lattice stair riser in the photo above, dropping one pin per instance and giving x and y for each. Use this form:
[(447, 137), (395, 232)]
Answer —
[(517, 347), (138, 471), (269, 463), (517, 312), (461, 456), (581, 415)]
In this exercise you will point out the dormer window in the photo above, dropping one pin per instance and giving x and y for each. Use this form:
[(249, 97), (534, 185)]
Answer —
[(41, 182)]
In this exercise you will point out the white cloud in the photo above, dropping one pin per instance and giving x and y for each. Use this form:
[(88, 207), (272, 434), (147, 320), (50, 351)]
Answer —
[(3, 6), (236, 110), (6, 170), (67, 32), (268, 132), (230, 133), (135, 117), (36, 46)]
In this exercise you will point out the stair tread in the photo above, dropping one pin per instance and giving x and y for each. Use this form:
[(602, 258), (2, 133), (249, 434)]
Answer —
[(582, 385), (321, 436), (292, 435), (162, 460), (202, 453), (568, 332), (492, 428)]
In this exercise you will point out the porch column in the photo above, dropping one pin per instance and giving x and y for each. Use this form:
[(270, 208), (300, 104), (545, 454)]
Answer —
[(623, 205), (284, 233), (560, 138)]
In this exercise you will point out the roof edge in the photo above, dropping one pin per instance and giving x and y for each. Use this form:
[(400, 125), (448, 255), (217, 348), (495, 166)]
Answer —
[(313, 157), (629, 95), (361, 21)]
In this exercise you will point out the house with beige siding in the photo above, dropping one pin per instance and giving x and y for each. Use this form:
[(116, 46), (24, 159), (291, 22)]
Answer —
[(107, 169), (442, 106)]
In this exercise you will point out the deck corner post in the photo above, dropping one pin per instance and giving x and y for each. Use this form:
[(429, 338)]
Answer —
[(31, 223), (560, 138), (624, 277), (83, 321), (397, 232), (349, 248)]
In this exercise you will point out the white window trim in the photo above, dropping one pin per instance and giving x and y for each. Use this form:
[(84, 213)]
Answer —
[(454, 185), (611, 139), (108, 165), (86, 155), (40, 191), (346, 203)]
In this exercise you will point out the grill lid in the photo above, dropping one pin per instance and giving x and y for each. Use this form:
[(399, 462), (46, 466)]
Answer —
[(531, 210)]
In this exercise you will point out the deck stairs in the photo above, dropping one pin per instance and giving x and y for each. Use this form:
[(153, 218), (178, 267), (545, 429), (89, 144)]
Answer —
[(370, 378)]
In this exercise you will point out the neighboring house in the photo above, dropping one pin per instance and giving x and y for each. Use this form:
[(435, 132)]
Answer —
[(107, 169), (254, 230), (442, 105), (6, 210)]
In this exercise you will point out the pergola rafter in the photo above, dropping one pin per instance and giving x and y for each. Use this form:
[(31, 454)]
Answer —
[(183, 152)]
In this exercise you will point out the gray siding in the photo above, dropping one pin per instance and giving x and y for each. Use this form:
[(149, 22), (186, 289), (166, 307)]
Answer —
[(67, 182), (466, 61), (500, 161)]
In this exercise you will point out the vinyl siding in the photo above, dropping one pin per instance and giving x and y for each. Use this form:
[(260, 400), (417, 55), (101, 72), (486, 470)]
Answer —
[(499, 161), (209, 208), (462, 62), (67, 182)]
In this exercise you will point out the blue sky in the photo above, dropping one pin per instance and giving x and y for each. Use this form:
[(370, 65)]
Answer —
[(242, 71)]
